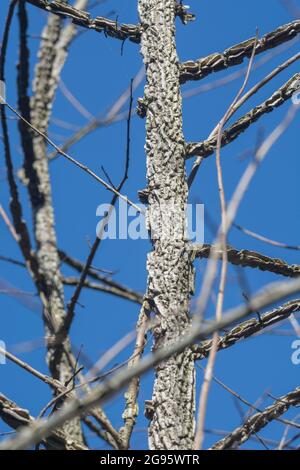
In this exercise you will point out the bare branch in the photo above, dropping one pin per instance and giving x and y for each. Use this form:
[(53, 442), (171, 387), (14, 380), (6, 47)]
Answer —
[(234, 55), (73, 160), (98, 431), (74, 299), (270, 442), (252, 259), (221, 243), (114, 114), (249, 328), (207, 147), (56, 384), (119, 292), (252, 406), (79, 266), (131, 411), (82, 18), (100, 24), (258, 421), (17, 417), (51, 58), (20, 227), (110, 434), (262, 238)]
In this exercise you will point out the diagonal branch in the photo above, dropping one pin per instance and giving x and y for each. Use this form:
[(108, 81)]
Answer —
[(107, 285), (84, 273), (264, 239), (73, 160), (258, 421), (131, 411), (79, 266), (221, 242), (82, 18), (234, 55), (207, 147), (24, 365), (109, 433), (216, 133), (249, 328)]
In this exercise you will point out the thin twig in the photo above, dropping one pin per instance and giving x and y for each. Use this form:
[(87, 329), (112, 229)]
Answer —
[(257, 236), (237, 197), (75, 297), (113, 115), (74, 161), (222, 242)]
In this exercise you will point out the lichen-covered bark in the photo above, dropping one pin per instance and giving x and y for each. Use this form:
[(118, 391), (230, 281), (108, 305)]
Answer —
[(51, 59), (170, 274), (37, 172)]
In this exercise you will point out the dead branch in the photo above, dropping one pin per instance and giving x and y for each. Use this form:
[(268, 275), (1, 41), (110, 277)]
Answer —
[(16, 417), (82, 18), (119, 292), (234, 55), (258, 421), (249, 328), (252, 259), (207, 147)]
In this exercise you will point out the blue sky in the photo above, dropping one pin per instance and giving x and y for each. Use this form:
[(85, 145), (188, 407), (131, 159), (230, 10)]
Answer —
[(96, 73)]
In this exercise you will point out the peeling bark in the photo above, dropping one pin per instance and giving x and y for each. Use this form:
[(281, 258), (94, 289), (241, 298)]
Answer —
[(170, 272)]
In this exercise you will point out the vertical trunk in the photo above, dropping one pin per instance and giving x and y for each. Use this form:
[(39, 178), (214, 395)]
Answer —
[(170, 272), (51, 59)]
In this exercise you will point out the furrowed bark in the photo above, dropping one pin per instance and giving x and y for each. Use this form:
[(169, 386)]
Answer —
[(171, 410)]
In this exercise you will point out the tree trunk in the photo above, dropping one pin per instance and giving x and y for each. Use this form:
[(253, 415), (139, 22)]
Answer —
[(170, 271), (37, 172)]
